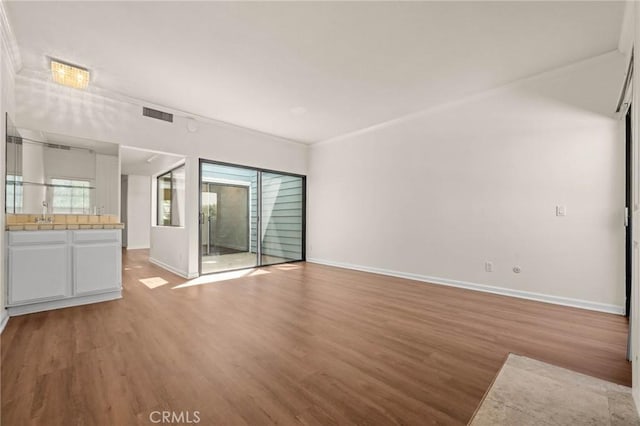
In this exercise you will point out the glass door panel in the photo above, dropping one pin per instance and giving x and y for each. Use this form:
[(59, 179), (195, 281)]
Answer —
[(282, 218), (228, 218), (209, 215)]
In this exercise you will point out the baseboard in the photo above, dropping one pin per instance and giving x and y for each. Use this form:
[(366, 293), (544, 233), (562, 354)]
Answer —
[(4, 319), (171, 269), (64, 303), (635, 392), (128, 247), (556, 300)]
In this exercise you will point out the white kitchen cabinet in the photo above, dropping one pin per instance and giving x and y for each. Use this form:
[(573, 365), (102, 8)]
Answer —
[(55, 269), (94, 254), (39, 265)]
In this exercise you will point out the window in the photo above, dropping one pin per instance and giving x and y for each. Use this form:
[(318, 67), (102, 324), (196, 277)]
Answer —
[(14, 194), (171, 198), (71, 196)]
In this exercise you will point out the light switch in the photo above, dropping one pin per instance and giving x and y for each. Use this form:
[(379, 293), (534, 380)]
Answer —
[(561, 211)]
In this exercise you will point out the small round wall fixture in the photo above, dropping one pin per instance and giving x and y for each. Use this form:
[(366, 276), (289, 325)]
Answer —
[(192, 125)]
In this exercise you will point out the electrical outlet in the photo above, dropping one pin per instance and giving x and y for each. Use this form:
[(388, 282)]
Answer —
[(488, 266), (561, 211)]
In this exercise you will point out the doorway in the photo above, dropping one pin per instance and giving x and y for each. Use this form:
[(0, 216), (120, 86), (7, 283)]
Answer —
[(228, 218)]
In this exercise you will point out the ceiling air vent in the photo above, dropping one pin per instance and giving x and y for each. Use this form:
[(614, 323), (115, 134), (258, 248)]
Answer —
[(160, 115)]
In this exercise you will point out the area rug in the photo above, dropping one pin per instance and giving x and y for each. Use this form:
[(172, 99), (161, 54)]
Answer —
[(530, 392)]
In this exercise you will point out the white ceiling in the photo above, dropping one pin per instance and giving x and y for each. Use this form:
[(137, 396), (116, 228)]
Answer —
[(146, 163), (349, 65)]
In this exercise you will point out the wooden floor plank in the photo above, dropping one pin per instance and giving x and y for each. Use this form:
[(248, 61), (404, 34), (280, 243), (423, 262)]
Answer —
[(289, 344)]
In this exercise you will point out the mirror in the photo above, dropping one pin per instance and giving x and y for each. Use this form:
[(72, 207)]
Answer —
[(13, 165), (48, 173)]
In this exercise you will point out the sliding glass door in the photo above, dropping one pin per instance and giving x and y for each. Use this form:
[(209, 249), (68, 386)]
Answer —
[(249, 217)]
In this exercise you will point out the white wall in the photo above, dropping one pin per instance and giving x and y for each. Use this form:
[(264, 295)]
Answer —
[(107, 180), (101, 116), (436, 195), (138, 222), (166, 243)]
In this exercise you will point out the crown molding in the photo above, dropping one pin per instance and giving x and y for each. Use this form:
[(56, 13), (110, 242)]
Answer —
[(9, 43)]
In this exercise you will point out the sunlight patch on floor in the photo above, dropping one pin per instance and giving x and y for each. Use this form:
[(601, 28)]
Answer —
[(153, 282), (286, 267), (128, 268), (223, 276), (222, 262)]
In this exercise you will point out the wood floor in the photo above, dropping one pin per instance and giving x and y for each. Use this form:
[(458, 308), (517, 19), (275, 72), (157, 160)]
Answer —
[(289, 344)]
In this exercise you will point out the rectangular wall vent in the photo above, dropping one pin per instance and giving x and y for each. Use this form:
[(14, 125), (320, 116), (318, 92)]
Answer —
[(160, 115)]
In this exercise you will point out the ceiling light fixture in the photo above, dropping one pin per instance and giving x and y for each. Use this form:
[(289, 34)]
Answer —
[(69, 75)]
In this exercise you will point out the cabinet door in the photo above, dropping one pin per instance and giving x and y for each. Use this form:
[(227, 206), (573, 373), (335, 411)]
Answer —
[(38, 273), (96, 267)]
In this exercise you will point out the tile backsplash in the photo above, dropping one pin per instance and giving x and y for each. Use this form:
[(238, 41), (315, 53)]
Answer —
[(62, 219)]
